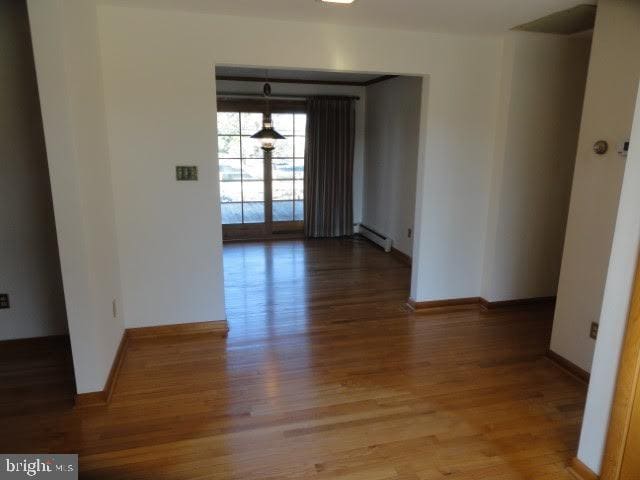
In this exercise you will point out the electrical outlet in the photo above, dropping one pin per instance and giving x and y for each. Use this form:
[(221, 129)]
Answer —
[(4, 300), (114, 308), (409, 233), (186, 173), (593, 333)]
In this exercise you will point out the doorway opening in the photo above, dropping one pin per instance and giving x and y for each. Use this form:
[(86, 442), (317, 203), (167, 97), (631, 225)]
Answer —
[(271, 258), (264, 195), (36, 369)]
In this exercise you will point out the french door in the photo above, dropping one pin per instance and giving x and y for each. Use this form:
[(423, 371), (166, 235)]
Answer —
[(261, 193)]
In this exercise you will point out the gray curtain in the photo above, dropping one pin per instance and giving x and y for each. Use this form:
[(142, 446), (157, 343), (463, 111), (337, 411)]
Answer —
[(328, 167)]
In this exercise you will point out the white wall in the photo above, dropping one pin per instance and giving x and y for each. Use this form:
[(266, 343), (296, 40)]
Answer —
[(29, 262), (608, 112), (457, 131), (158, 73), (542, 88), (124, 220), (615, 309), (161, 112), (157, 67), (391, 158), (67, 64), (313, 89)]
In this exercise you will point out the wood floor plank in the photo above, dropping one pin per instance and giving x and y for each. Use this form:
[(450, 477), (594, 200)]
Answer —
[(325, 374)]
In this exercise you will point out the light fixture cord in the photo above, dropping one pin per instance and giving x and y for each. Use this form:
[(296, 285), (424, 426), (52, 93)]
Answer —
[(266, 90)]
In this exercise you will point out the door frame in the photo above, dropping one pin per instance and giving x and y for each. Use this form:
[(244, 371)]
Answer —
[(269, 229), (625, 392)]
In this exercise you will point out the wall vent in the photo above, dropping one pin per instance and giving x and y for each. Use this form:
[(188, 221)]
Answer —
[(566, 22)]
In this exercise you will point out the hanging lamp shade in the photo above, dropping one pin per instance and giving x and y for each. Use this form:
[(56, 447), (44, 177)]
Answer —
[(267, 135)]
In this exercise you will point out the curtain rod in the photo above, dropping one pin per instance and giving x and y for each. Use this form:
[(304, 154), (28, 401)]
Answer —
[(284, 95)]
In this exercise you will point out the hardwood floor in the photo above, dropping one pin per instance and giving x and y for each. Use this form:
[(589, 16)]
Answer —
[(326, 374), (36, 375)]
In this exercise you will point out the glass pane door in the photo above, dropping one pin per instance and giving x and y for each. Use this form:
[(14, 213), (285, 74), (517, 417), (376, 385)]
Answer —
[(288, 168), (257, 188), (241, 161)]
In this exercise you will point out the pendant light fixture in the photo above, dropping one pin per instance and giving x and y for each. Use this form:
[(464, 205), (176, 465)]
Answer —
[(267, 135)]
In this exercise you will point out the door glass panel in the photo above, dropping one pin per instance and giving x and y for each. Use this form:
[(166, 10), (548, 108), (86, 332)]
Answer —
[(231, 213), (228, 123), (299, 189), (252, 169), (284, 148), (282, 168), (251, 148), (230, 169), (253, 191), (282, 190), (299, 210), (283, 123), (282, 211), (230, 192), (299, 146), (251, 123), (242, 163), (300, 123), (228, 146), (299, 167), (253, 212)]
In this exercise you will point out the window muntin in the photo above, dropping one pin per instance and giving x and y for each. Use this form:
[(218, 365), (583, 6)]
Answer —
[(242, 168)]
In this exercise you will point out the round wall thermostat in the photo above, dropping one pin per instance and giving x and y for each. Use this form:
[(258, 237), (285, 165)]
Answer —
[(601, 147)]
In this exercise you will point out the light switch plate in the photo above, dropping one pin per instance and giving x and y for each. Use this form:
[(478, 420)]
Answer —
[(186, 173)]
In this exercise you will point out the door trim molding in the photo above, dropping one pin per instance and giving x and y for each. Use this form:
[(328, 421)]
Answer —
[(626, 385)]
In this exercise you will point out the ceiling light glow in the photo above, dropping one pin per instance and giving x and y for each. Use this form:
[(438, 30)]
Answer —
[(345, 2)]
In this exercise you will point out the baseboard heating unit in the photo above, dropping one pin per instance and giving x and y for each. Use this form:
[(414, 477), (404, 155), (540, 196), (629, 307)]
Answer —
[(375, 237)]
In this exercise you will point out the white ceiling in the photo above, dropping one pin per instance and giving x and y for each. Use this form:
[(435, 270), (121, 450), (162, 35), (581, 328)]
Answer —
[(461, 16)]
